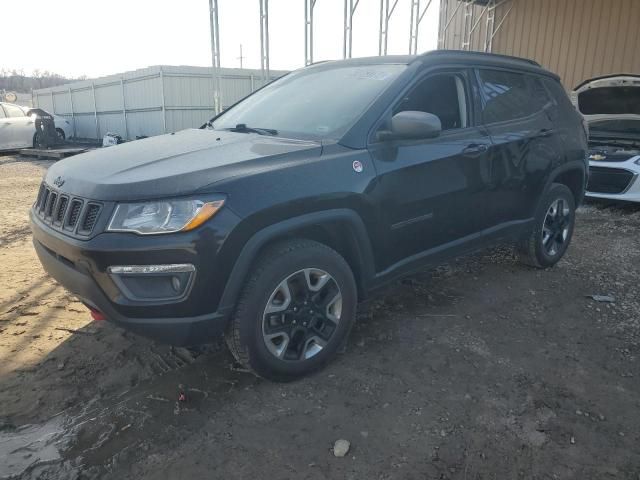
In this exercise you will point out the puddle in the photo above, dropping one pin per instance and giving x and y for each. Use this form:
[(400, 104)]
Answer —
[(30, 446)]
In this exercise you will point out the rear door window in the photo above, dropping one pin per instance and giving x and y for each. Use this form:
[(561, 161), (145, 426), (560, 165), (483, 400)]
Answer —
[(505, 96)]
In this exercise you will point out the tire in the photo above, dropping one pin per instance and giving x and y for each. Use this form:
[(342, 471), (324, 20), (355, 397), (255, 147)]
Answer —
[(61, 135), (553, 230), (280, 339)]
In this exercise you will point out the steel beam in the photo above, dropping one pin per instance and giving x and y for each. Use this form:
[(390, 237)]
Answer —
[(385, 16), (492, 29), (264, 40), (416, 17), (308, 31), (215, 54), (347, 42)]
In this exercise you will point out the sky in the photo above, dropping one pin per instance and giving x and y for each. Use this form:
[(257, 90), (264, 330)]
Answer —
[(92, 38)]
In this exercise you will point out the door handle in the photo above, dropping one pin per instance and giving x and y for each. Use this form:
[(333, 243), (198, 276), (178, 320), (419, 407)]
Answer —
[(475, 148), (545, 132)]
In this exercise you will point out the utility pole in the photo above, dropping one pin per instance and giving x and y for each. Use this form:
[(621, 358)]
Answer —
[(240, 57), (215, 54)]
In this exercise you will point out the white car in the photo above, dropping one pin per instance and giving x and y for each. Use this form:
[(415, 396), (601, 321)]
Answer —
[(611, 108), (17, 129)]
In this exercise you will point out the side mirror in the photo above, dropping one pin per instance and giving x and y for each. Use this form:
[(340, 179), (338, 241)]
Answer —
[(412, 125)]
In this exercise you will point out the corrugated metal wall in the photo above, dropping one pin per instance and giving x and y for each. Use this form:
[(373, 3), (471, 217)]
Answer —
[(578, 39), (148, 101)]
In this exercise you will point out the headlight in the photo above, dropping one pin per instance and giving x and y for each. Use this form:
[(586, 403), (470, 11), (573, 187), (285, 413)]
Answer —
[(165, 216)]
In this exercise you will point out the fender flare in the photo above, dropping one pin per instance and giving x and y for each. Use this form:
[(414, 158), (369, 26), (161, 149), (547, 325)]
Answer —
[(575, 165), (358, 238)]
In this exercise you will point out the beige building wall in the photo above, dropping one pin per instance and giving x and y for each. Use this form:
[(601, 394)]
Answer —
[(577, 39)]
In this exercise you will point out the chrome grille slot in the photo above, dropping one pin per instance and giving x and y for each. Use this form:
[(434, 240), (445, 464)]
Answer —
[(51, 202), (74, 214), (40, 194), (43, 203), (61, 209), (89, 219)]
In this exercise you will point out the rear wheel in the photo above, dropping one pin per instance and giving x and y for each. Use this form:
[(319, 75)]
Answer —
[(296, 309), (553, 229)]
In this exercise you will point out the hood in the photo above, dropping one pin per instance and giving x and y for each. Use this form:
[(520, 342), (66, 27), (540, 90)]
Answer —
[(174, 164), (614, 97)]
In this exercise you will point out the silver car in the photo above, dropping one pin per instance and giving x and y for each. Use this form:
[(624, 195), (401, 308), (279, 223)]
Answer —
[(17, 129)]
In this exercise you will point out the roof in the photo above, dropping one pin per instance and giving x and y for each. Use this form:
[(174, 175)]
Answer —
[(446, 56)]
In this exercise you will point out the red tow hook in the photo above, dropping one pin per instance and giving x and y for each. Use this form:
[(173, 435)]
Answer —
[(97, 315)]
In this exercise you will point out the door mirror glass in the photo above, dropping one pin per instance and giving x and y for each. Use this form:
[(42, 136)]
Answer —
[(414, 125)]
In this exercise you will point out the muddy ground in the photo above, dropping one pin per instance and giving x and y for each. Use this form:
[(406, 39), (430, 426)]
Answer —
[(481, 368)]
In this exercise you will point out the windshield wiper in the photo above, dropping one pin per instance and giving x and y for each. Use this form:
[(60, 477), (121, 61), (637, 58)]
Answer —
[(243, 128)]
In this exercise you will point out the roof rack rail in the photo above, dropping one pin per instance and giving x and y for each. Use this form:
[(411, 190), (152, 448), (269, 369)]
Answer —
[(480, 54)]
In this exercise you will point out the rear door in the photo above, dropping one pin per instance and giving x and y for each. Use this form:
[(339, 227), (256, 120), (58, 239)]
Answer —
[(524, 146)]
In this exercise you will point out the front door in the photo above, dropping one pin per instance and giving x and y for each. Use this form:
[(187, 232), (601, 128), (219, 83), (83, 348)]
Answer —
[(429, 191)]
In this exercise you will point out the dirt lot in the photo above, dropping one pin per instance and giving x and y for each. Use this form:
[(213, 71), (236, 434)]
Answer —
[(478, 369)]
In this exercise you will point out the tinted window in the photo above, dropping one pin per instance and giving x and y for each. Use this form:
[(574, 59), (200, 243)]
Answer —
[(441, 95), (13, 110), (540, 98), (558, 93), (313, 102), (505, 95)]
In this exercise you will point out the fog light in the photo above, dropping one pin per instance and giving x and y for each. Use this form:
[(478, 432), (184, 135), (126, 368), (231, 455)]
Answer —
[(147, 269), (156, 283)]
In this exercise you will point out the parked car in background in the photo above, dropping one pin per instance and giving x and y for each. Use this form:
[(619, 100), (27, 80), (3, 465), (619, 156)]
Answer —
[(611, 108), (277, 217), (18, 130), (64, 125)]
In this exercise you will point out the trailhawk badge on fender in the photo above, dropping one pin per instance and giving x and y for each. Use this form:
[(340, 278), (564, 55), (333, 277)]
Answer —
[(357, 166)]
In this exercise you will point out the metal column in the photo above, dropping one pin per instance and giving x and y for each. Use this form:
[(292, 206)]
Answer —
[(308, 31), (215, 54), (468, 24), (164, 102), (492, 29), (416, 18), (446, 21), (73, 114), (264, 39), (95, 110), (349, 9), (385, 16), (124, 110)]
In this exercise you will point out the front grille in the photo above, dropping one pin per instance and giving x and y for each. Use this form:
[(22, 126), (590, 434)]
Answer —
[(74, 215), (609, 180)]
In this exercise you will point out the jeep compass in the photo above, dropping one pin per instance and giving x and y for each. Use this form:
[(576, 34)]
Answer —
[(274, 219)]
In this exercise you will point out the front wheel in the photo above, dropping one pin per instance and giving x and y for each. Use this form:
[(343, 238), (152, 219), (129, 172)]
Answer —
[(553, 229), (61, 135), (296, 309)]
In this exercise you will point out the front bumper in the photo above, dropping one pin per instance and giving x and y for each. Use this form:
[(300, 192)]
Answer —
[(629, 170), (81, 266)]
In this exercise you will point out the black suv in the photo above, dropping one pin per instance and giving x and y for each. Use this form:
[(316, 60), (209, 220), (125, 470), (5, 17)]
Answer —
[(272, 221)]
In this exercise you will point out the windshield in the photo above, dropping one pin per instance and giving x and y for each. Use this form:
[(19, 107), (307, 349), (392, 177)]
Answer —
[(317, 103), (629, 128)]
